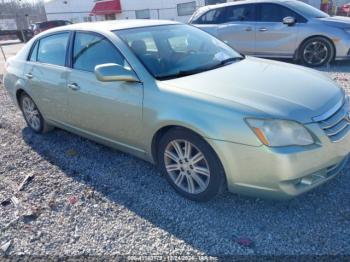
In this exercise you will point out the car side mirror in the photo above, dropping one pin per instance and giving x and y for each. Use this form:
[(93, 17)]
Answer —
[(289, 20), (113, 72)]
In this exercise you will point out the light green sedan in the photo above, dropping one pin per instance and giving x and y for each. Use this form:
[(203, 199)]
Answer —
[(171, 94)]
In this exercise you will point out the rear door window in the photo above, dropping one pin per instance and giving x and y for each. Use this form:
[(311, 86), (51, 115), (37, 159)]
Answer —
[(239, 13), (34, 53), (52, 49), (211, 17)]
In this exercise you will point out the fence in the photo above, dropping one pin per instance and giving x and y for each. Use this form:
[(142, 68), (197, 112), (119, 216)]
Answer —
[(3, 53), (23, 21)]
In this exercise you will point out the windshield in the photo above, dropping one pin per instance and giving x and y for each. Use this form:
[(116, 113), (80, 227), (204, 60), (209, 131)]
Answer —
[(172, 51), (306, 10)]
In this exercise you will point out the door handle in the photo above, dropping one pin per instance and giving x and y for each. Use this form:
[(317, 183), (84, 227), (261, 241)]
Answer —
[(248, 29), (29, 76), (263, 29), (74, 87)]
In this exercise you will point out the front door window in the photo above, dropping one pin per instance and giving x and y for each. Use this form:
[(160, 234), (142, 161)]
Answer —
[(91, 50)]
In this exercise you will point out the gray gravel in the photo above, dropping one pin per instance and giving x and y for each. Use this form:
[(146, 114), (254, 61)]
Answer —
[(87, 199)]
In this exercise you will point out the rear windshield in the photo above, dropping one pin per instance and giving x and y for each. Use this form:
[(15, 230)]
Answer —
[(50, 24)]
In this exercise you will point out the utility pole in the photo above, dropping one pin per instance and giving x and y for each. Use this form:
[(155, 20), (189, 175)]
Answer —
[(2, 51)]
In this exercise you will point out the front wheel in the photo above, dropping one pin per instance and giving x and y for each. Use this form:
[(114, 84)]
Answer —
[(190, 165), (316, 51)]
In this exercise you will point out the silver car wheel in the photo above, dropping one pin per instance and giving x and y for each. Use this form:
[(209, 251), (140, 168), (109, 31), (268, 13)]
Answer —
[(31, 113), (316, 53), (187, 166)]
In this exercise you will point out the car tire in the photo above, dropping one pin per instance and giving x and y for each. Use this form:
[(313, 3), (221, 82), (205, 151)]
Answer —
[(190, 165), (20, 37), (32, 115), (316, 51)]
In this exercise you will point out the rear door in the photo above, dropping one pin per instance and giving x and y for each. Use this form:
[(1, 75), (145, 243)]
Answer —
[(210, 21), (273, 38), (46, 75), (238, 28)]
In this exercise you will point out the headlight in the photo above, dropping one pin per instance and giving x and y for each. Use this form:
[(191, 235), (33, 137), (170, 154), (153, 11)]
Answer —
[(275, 133)]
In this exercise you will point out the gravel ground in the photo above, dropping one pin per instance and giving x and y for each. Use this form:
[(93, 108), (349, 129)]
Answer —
[(87, 199)]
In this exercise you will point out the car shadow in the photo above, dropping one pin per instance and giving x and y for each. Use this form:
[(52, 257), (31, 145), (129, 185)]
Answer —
[(211, 227)]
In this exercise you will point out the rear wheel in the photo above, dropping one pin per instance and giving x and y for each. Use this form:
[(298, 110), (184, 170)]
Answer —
[(190, 165), (316, 51), (32, 115)]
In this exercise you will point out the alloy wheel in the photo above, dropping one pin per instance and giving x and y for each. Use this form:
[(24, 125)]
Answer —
[(187, 166), (31, 113), (316, 53)]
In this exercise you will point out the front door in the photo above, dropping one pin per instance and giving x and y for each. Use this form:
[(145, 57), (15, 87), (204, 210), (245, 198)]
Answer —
[(273, 38), (109, 110)]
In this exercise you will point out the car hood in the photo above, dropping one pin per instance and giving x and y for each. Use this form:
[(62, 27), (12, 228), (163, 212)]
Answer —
[(338, 21), (276, 89)]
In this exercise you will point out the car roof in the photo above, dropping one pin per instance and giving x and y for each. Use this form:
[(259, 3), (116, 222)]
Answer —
[(114, 25), (244, 2)]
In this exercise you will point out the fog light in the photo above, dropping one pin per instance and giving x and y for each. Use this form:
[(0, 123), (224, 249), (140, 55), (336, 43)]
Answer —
[(311, 179)]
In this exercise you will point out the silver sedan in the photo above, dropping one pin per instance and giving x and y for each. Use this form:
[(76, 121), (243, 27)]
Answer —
[(278, 29), (176, 96)]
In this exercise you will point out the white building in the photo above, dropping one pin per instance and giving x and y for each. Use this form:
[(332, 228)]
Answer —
[(92, 10), (96, 10), (71, 10)]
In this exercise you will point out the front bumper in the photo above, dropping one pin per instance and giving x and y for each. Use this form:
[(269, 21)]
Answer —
[(342, 49), (282, 173)]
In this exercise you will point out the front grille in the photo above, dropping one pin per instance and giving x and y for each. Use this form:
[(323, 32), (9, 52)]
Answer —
[(337, 124), (321, 175)]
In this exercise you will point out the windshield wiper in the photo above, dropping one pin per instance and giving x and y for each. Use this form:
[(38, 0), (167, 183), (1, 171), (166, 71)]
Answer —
[(231, 60), (226, 62), (182, 73)]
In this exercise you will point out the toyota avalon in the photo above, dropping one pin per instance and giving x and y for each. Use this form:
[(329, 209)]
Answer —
[(171, 94)]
